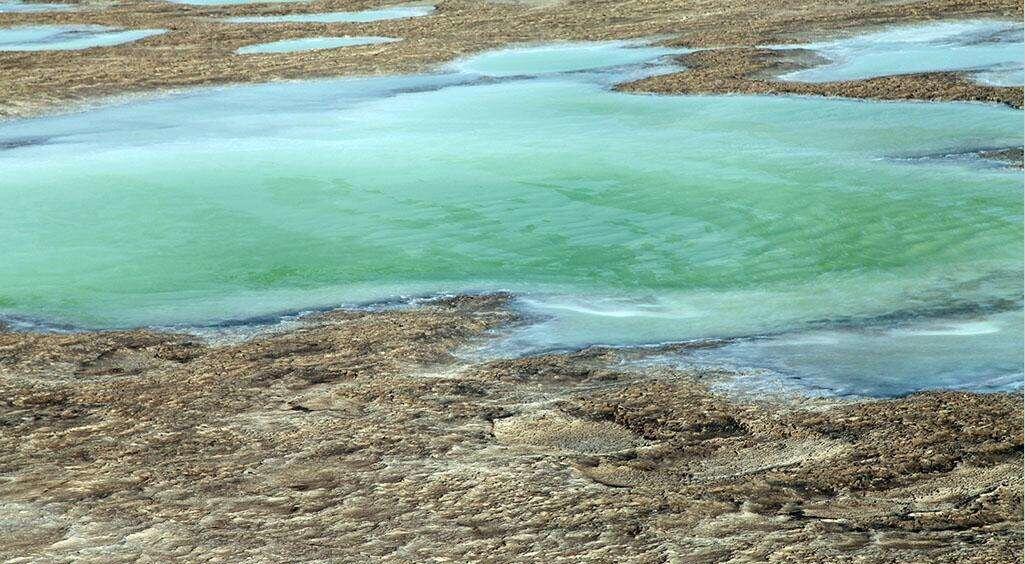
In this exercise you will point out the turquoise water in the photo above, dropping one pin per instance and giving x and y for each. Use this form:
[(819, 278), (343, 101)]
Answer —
[(392, 13), (14, 7), (68, 37), (312, 44), (991, 50), (618, 218)]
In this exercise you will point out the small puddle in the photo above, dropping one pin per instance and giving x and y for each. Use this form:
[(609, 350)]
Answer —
[(231, 2), (562, 57), (312, 44), (990, 50), (393, 13), (68, 37), (15, 7)]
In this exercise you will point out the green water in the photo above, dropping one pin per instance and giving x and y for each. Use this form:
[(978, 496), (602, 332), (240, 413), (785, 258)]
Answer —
[(618, 218)]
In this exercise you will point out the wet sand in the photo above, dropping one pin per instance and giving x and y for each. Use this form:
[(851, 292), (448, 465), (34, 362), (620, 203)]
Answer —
[(200, 50), (359, 437)]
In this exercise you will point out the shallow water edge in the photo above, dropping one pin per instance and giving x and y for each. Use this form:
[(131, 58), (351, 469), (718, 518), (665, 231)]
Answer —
[(914, 350)]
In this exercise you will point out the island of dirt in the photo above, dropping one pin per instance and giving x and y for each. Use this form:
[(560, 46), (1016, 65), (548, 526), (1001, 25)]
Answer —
[(750, 70), (367, 436)]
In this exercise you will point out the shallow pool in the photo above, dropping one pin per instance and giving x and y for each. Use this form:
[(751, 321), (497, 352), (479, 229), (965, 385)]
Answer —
[(991, 50), (68, 37), (531, 60), (231, 2), (312, 44), (392, 13), (618, 218)]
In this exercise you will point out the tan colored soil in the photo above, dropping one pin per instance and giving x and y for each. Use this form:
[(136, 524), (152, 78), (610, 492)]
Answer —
[(360, 438)]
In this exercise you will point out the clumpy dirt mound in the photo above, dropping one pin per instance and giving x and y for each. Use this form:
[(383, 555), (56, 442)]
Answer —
[(556, 431), (358, 437), (750, 70)]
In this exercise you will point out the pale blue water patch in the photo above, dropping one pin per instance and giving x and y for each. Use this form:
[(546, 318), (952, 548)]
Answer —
[(562, 57), (944, 353), (992, 50), (1001, 75), (68, 37), (392, 13), (617, 218), (232, 2), (312, 44), (17, 7)]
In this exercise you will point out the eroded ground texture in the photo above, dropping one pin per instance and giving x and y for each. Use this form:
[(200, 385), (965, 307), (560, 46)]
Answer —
[(359, 437), (199, 47)]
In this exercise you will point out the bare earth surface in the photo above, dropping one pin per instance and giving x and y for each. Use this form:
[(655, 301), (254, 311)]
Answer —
[(358, 437), (199, 49)]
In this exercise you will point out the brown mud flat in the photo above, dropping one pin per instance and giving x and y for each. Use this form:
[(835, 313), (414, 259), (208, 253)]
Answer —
[(199, 49), (359, 437)]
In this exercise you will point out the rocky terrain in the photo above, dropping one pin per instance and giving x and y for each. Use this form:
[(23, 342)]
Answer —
[(199, 47), (359, 436)]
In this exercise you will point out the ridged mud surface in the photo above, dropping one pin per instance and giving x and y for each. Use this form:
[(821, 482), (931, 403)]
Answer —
[(359, 437)]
